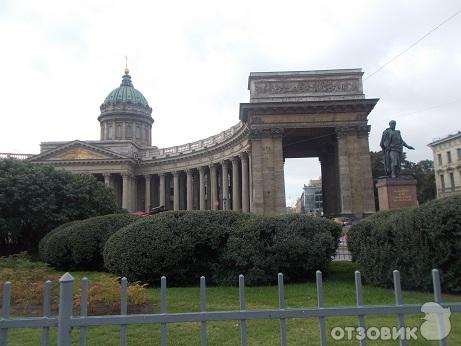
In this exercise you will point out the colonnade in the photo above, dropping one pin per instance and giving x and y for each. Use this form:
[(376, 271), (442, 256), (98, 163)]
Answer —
[(223, 185)]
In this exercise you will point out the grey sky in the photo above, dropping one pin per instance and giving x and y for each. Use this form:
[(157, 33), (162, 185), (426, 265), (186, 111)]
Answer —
[(191, 60)]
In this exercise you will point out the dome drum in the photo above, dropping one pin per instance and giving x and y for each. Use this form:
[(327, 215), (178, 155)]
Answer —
[(126, 114)]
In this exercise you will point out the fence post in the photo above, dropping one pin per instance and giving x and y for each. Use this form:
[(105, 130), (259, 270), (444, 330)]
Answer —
[(66, 284), (123, 309), (46, 312), (5, 311), (438, 300), (283, 322), (319, 282)]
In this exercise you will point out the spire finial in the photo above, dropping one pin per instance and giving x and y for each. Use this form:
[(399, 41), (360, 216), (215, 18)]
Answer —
[(127, 71)]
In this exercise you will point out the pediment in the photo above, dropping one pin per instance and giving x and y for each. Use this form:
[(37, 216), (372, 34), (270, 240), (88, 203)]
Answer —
[(78, 151)]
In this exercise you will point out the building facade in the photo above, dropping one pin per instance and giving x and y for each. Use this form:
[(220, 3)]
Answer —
[(447, 164), (290, 114), (313, 198)]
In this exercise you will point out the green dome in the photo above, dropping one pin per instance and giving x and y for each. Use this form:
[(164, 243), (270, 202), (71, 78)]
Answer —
[(126, 93)]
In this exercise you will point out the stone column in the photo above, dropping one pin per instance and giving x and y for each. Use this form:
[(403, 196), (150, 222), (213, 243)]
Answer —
[(132, 194), (344, 135), (201, 171), (125, 193), (225, 185), (250, 183), (162, 197), (365, 177), (214, 187), (355, 179), (245, 186), (176, 190), (195, 191), (189, 189), (106, 179), (267, 171), (147, 177), (235, 185)]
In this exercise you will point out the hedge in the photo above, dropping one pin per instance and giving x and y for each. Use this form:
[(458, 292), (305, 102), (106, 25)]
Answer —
[(413, 241), (180, 244), (295, 245), (42, 249), (220, 245), (80, 245)]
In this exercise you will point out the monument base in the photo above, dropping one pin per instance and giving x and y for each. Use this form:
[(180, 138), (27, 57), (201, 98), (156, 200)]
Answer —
[(394, 193)]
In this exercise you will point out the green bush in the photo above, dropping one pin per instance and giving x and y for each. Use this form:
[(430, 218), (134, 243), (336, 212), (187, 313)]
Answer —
[(220, 245), (80, 245), (413, 241), (180, 244), (42, 248), (295, 245)]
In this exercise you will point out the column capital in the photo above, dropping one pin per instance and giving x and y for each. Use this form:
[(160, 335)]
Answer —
[(106, 175), (147, 176), (212, 165), (363, 130), (243, 155), (343, 131), (189, 171), (126, 175), (235, 159), (175, 173), (258, 133), (224, 162), (201, 169)]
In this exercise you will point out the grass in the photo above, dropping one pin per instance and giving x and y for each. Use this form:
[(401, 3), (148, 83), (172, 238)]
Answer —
[(339, 290)]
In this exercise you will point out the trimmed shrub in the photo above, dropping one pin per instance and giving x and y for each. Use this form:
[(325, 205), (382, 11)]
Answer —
[(295, 245), (221, 245), (42, 249), (180, 244), (413, 241), (80, 245)]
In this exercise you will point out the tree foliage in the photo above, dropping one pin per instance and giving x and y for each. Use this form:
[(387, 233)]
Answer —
[(423, 172), (413, 241), (35, 199)]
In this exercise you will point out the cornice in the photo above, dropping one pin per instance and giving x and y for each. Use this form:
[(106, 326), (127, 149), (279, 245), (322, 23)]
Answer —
[(336, 106)]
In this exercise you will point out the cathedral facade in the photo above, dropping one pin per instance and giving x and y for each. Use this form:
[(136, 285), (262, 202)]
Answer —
[(290, 114)]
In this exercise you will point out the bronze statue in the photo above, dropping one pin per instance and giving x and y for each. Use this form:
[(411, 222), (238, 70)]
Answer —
[(392, 145)]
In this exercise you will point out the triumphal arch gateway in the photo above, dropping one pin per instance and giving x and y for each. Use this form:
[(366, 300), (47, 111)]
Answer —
[(290, 115)]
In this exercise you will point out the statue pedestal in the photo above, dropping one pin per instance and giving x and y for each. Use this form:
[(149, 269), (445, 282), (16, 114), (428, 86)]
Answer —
[(394, 193)]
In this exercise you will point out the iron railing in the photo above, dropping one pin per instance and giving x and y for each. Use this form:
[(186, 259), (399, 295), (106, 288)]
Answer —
[(65, 320)]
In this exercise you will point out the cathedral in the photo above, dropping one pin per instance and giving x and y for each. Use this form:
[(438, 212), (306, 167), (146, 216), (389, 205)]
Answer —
[(290, 114)]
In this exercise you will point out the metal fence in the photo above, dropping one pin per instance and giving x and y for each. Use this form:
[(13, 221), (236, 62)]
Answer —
[(65, 321), (342, 252)]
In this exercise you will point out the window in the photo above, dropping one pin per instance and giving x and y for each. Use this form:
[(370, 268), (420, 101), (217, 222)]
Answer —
[(458, 150), (129, 132), (439, 158), (138, 132), (442, 182), (118, 131), (449, 156), (452, 182), (111, 132)]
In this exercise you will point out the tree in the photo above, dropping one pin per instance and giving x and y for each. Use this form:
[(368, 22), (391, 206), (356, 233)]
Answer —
[(36, 199), (422, 171)]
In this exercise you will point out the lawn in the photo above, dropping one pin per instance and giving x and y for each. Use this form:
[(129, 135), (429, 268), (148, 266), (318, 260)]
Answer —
[(339, 290)]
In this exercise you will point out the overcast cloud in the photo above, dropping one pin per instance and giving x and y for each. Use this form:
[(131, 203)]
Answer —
[(191, 60)]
